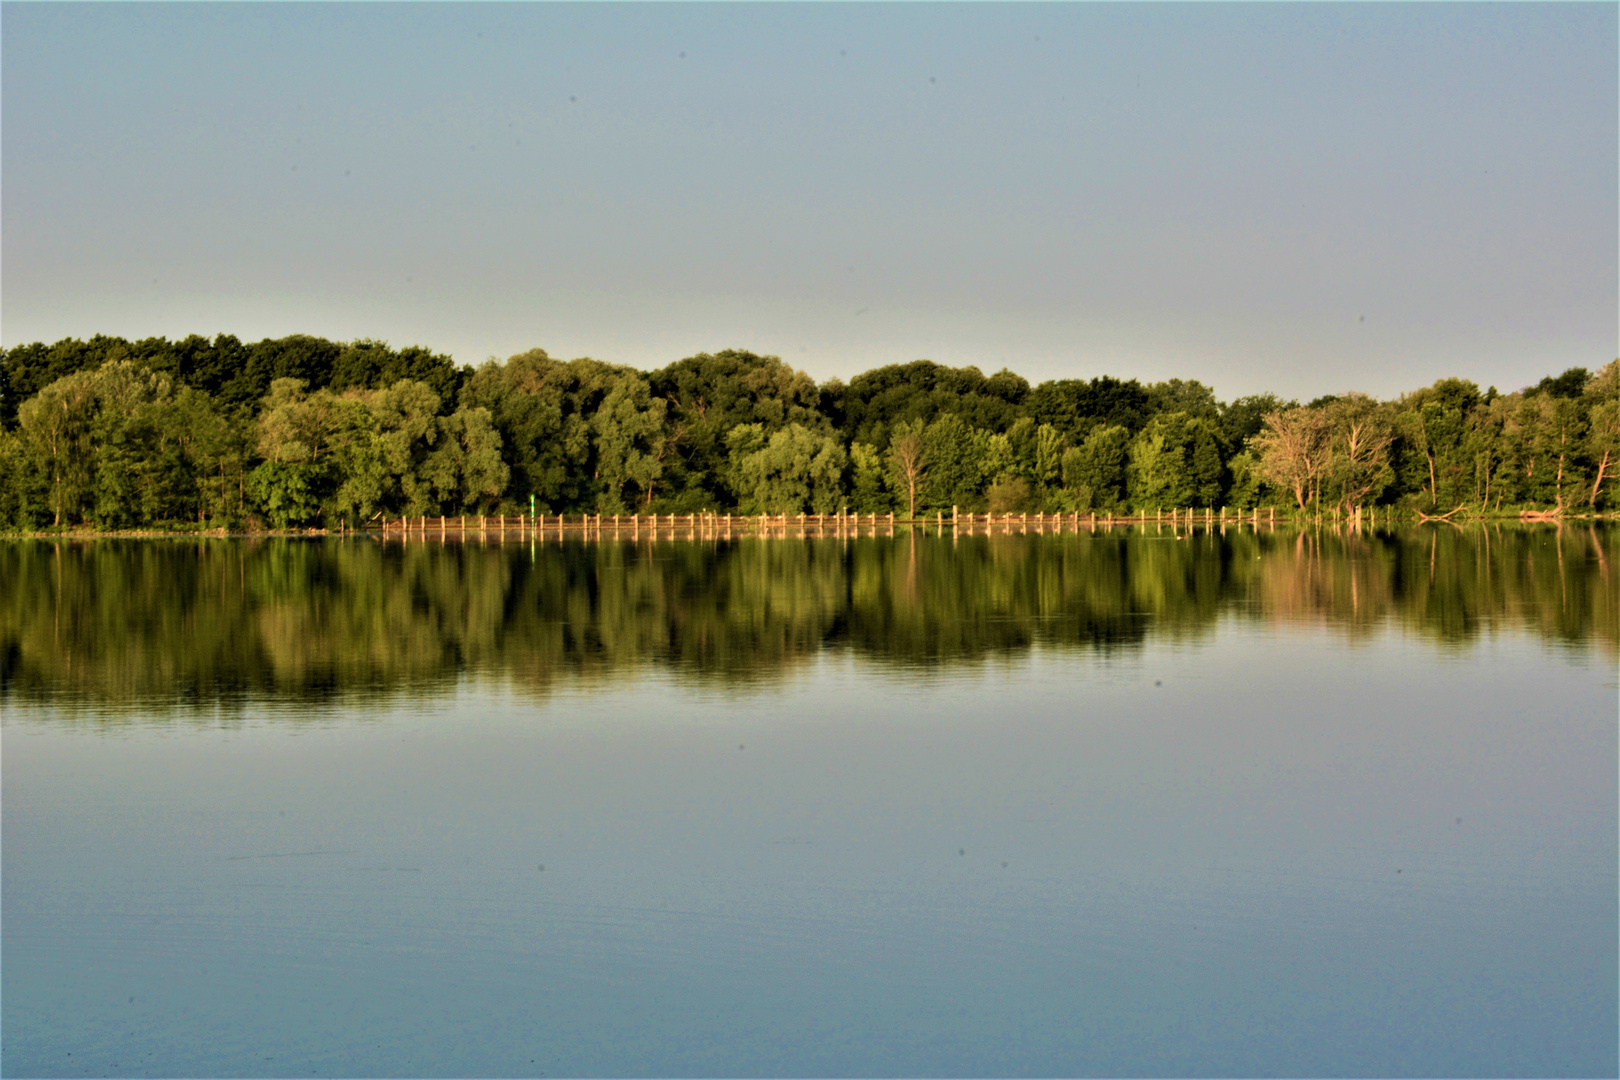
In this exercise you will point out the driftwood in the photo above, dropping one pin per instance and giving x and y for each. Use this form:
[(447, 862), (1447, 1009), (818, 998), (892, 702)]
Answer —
[(1541, 515), (1446, 517)]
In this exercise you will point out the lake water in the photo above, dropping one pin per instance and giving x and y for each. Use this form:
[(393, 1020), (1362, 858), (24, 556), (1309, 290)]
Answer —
[(1133, 803)]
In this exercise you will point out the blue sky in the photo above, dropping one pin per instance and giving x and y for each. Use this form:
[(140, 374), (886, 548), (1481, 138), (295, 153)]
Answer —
[(1301, 198)]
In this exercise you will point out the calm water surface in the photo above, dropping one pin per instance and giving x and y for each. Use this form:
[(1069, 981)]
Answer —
[(1295, 803)]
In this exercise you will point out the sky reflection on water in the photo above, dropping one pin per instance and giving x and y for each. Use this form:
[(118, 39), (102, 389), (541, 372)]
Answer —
[(1265, 847)]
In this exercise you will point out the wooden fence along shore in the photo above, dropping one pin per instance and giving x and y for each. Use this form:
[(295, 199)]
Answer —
[(801, 526)]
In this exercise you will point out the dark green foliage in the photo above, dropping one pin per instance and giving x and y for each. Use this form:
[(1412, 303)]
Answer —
[(1075, 406), (1242, 418), (877, 400), (372, 365), (1184, 396), (1568, 385)]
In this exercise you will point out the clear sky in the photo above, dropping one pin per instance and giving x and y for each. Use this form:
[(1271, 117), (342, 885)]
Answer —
[(1301, 198)]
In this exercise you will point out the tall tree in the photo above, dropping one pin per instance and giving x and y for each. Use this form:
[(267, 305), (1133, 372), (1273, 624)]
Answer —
[(1361, 431), (793, 471), (629, 433), (908, 461), (1603, 433), (1293, 451)]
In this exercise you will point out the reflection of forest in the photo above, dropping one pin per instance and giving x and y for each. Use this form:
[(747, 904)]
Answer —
[(115, 622)]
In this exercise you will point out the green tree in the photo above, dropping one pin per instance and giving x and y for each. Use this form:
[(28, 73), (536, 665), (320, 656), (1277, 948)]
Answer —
[(908, 462), (1176, 460), (1433, 458), (1095, 470), (877, 402), (464, 471), (1358, 463), (630, 442), (793, 471), (1603, 432), (869, 489), (954, 473), (1293, 452), (1075, 406), (711, 394)]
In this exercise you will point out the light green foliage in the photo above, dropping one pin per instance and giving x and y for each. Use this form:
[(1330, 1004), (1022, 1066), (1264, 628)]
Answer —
[(1080, 497), (1248, 488), (1156, 475), (381, 446), (1603, 433), (361, 453), (1010, 495), (295, 440), (465, 472), (1176, 461), (794, 471), (56, 430), (628, 427), (117, 447), (1046, 457), (955, 474), (996, 458), (869, 492)]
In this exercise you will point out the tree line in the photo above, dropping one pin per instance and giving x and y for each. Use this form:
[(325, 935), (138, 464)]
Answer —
[(302, 432)]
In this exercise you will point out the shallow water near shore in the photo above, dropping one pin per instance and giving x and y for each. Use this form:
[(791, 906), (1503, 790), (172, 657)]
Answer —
[(1259, 803)]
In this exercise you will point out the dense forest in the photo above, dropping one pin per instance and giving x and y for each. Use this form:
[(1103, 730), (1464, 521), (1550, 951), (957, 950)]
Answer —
[(302, 432)]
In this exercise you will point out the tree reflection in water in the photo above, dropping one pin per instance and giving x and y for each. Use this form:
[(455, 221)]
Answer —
[(115, 624)]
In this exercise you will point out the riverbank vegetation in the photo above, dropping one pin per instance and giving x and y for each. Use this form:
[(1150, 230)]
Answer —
[(302, 432)]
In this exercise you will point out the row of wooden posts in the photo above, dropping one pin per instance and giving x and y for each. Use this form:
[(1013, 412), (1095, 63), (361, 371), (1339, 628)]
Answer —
[(770, 524)]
